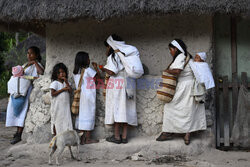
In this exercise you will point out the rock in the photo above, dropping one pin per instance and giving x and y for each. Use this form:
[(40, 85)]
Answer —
[(41, 134), (137, 157), (47, 98)]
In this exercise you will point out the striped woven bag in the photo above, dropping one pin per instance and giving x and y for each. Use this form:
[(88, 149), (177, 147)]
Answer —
[(105, 84), (77, 94), (167, 87)]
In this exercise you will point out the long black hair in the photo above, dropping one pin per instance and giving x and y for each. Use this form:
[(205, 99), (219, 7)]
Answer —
[(111, 50), (81, 61), (183, 46), (56, 69), (36, 50)]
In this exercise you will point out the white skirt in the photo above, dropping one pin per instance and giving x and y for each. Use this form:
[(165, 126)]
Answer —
[(60, 113), (11, 119), (118, 107), (183, 114)]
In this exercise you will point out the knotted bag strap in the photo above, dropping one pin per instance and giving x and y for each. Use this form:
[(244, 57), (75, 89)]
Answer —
[(80, 81), (117, 51)]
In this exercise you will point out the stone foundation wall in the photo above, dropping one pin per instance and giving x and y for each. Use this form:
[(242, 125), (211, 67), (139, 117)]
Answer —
[(150, 35)]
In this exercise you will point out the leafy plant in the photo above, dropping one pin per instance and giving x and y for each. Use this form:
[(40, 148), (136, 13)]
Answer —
[(7, 44), (4, 78)]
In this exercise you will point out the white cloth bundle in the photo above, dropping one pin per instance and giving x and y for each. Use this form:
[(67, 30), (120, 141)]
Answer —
[(114, 64), (131, 61), (202, 73), (24, 85)]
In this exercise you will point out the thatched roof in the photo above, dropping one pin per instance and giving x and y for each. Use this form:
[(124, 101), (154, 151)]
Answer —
[(27, 13)]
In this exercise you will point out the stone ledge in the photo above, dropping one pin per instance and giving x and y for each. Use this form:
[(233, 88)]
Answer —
[(146, 147)]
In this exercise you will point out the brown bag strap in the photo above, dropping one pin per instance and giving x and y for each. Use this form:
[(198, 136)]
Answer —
[(117, 50), (26, 65), (186, 61), (80, 81)]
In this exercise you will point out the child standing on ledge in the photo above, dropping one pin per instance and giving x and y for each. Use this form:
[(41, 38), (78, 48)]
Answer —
[(85, 121), (60, 105)]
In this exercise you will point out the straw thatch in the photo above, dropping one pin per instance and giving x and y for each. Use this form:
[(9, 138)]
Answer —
[(27, 13)]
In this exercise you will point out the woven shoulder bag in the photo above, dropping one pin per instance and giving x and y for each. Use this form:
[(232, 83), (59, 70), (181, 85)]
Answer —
[(77, 94), (167, 87)]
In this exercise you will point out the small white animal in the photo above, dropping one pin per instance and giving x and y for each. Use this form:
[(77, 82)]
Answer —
[(68, 138)]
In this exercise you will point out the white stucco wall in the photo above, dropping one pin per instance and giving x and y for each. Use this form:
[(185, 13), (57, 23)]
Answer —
[(151, 35)]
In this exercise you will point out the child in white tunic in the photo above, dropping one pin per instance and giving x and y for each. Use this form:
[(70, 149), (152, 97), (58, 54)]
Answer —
[(120, 110), (60, 104), (85, 121), (33, 69)]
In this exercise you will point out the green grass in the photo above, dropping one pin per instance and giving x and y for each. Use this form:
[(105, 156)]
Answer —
[(4, 78)]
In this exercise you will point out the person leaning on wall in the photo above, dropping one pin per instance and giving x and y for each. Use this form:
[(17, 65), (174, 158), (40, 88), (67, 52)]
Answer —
[(32, 69)]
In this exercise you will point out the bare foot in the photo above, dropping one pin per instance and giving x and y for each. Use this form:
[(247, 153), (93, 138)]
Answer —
[(187, 139), (83, 138), (91, 141)]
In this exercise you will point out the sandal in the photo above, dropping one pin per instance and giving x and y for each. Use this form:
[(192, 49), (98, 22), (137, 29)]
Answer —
[(17, 138), (165, 136), (113, 140), (124, 141)]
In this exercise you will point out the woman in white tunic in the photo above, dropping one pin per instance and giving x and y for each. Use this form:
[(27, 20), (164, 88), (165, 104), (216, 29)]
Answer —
[(183, 114), (119, 110), (85, 121), (60, 104), (32, 68)]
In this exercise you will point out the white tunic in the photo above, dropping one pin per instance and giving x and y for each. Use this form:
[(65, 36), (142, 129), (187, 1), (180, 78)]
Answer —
[(118, 107), (183, 114), (86, 118), (60, 109), (11, 119)]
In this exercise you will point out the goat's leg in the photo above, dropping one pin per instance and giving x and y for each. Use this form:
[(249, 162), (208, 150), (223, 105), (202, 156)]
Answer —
[(72, 156), (78, 153), (60, 150), (52, 151)]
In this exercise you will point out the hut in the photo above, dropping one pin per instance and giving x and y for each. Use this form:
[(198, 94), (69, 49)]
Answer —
[(218, 27)]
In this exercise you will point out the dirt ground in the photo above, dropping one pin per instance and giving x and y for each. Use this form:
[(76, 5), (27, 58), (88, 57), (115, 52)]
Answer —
[(36, 155)]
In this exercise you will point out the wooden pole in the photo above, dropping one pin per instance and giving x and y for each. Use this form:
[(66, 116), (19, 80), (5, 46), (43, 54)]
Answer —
[(234, 44), (234, 71)]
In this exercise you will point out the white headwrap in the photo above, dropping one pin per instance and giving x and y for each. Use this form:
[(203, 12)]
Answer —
[(202, 55), (122, 46), (178, 46)]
